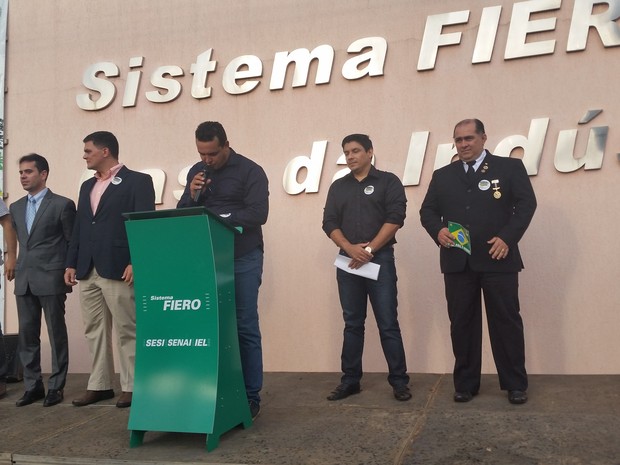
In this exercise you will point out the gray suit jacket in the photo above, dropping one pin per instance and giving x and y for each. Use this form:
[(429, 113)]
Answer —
[(42, 253)]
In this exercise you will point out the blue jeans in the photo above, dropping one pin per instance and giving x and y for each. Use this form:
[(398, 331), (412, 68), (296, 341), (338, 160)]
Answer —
[(354, 294), (248, 278)]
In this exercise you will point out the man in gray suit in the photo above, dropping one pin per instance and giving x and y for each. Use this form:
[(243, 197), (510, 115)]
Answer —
[(43, 222)]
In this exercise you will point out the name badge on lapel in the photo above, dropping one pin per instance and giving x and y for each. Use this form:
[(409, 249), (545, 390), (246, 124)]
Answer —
[(484, 185)]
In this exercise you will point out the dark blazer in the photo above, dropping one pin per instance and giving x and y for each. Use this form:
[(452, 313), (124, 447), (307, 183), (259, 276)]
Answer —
[(42, 253), (99, 239), (453, 197)]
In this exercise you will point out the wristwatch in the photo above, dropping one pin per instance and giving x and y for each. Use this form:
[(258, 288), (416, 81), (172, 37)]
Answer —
[(368, 249)]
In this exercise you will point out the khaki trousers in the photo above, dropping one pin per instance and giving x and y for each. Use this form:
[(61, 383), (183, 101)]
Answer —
[(106, 303)]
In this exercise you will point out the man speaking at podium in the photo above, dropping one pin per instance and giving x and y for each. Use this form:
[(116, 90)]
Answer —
[(235, 188)]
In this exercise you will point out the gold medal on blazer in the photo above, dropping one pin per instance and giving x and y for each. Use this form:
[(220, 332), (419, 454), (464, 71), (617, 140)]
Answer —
[(496, 189)]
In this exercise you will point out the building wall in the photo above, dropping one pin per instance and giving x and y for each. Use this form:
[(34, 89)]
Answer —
[(569, 292)]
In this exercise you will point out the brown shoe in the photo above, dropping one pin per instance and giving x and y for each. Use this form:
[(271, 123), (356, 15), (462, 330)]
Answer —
[(2, 389), (124, 400), (92, 397)]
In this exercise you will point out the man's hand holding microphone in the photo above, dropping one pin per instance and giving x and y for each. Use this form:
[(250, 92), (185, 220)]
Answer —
[(200, 182)]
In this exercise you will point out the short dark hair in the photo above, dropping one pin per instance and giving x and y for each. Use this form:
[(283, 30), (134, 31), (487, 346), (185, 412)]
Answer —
[(479, 125), (104, 139), (209, 130), (361, 139), (39, 161)]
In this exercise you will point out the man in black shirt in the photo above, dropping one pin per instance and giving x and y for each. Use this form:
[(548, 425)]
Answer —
[(363, 211), (235, 188)]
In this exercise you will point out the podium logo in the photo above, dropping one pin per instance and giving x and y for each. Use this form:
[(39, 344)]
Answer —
[(182, 304)]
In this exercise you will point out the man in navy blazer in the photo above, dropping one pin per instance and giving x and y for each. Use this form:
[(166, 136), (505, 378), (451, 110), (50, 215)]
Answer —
[(43, 222), (99, 257), (492, 198)]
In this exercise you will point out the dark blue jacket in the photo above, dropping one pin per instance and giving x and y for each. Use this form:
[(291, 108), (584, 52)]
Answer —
[(452, 196), (99, 239)]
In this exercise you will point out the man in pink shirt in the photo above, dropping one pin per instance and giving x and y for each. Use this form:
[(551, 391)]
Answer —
[(99, 258)]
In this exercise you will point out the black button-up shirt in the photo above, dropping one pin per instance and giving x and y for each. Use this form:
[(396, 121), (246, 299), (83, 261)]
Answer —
[(360, 208), (238, 193)]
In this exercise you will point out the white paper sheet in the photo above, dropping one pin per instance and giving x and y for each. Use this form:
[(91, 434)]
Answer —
[(369, 270)]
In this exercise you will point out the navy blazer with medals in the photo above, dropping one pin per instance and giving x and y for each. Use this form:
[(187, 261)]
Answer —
[(99, 238), (498, 201)]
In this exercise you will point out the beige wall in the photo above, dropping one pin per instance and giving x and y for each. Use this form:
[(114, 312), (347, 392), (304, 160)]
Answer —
[(569, 289)]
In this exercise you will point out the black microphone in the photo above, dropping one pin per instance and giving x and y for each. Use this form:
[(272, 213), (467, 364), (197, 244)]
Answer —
[(206, 171)]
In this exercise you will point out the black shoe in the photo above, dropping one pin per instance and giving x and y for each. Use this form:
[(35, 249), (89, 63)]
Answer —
[(517, 397), (343, 391), (402, 393), (31, 396), (53, 397), (254, 409), (465, 396)]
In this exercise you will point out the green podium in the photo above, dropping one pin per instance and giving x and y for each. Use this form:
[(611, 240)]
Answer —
[(188, 375)]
